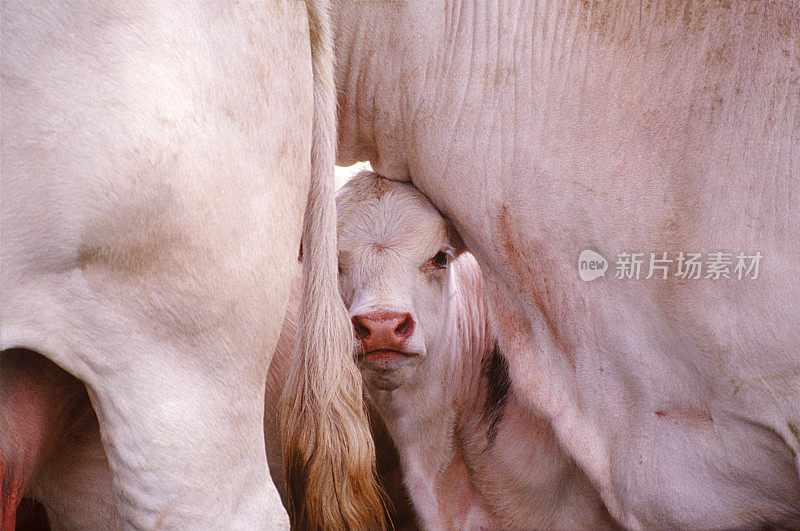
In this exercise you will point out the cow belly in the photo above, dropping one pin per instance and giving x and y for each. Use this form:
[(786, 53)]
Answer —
[(690, 469), (664, 452)]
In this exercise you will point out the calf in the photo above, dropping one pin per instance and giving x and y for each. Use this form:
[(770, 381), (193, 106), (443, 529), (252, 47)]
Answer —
[(471, 453)]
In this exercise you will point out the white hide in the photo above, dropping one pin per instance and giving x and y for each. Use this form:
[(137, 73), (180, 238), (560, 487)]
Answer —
[(542, 129), (75, 487), (155, 174)]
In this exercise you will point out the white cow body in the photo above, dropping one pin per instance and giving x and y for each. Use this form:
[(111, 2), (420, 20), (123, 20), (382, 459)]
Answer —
[(541, 129), (472, 456), (155, 174), (75, 485)]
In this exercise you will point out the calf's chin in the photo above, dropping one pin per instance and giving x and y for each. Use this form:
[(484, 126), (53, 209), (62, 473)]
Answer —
[(389, 379)]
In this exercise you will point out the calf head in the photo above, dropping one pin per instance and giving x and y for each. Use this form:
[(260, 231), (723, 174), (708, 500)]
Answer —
[(394, 253)]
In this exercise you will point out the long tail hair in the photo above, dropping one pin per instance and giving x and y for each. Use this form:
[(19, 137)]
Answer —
[(329, 454)]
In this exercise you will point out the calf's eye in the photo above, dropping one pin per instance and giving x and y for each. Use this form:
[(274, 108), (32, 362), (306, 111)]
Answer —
[(440, 260)]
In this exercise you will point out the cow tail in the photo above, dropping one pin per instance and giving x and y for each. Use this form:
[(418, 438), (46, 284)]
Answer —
[(329, 454)]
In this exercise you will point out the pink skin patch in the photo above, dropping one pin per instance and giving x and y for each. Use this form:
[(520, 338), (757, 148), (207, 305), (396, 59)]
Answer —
[(39, 404)]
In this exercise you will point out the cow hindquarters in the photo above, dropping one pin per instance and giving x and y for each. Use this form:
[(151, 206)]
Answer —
[(153, 187), (175, 364)]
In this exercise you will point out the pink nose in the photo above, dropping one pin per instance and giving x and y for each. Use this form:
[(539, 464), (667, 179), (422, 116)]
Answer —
[(383, 330)]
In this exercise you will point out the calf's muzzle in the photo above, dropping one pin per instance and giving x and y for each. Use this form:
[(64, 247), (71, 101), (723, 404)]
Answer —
[(383, 330)]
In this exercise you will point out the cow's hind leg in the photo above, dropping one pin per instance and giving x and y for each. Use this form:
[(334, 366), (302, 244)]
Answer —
[(186, 448), (177, 387)]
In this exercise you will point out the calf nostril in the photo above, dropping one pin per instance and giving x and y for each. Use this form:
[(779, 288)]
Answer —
[(361, 331), (405, 328)]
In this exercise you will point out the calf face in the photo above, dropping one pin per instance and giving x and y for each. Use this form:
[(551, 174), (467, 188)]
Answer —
[(394, 250)]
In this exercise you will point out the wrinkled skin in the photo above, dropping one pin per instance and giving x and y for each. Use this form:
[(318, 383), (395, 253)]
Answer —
[(541, 129)]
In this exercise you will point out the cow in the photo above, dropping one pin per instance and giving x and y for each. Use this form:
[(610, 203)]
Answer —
[(471, 456), (643, 132), (158, 161)]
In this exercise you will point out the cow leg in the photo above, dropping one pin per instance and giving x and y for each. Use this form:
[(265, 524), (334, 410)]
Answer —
[(178, 388), (186, 449), (75, 487), (41, 404)]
